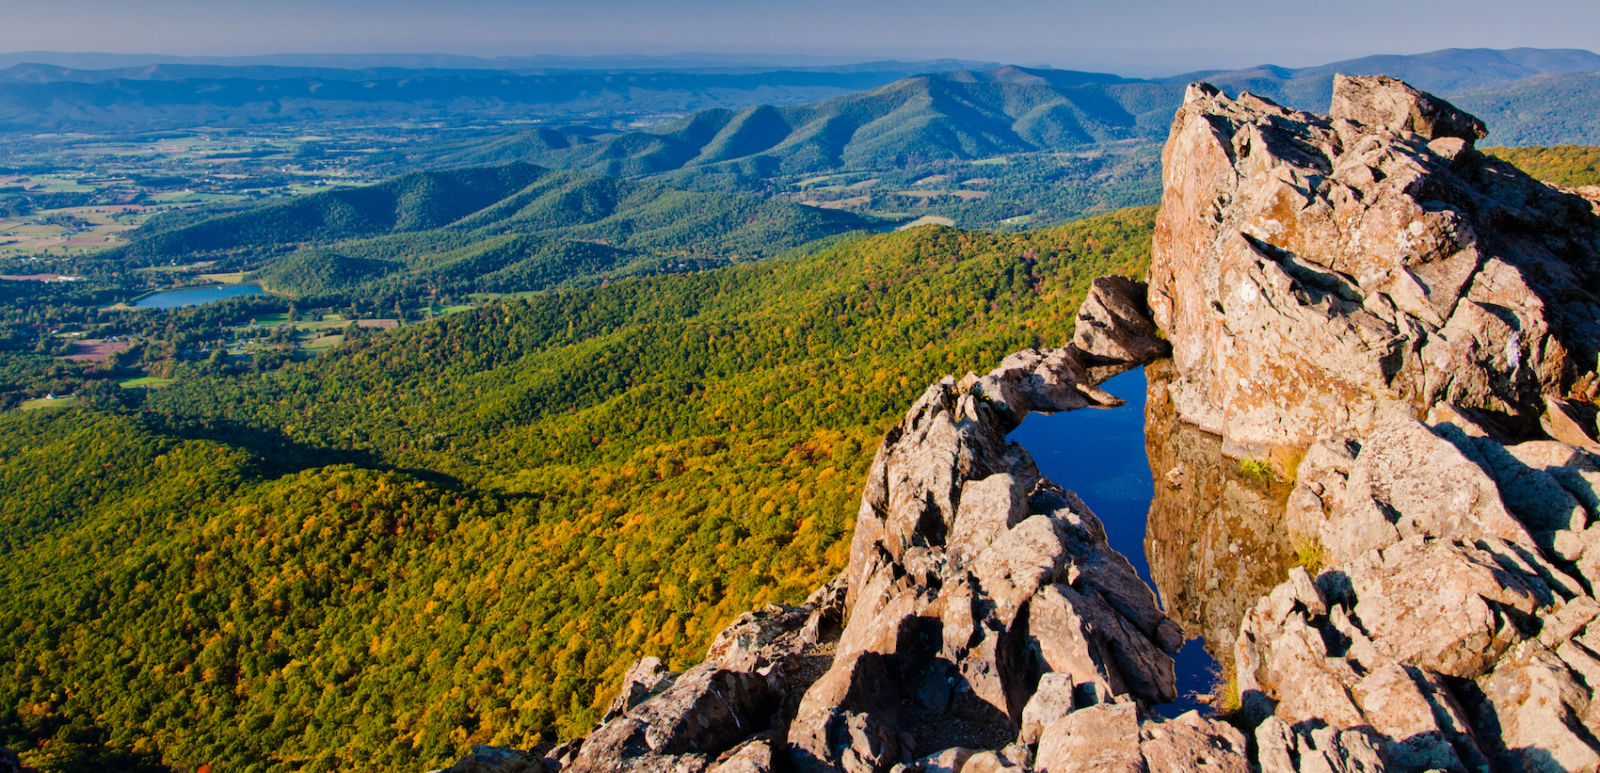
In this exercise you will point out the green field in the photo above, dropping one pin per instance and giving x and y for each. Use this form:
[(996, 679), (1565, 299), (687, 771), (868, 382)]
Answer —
[(47, 404), (146, 382)]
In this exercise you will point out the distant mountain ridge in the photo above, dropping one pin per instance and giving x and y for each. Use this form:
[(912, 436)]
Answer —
[(1019, 109), (683, 61), (47, 98), (962, 115), (1449, 72), (1529, 95)]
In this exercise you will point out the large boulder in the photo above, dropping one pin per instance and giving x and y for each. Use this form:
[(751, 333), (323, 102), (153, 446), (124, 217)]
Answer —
[(1380, 102), (645, 678), (1114, 322)]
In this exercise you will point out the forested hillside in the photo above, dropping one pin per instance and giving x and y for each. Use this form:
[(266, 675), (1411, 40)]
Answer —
[(464, 531), (962, 115)]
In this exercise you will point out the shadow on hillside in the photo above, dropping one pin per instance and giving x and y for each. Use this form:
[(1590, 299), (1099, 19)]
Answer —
[(274, 454)]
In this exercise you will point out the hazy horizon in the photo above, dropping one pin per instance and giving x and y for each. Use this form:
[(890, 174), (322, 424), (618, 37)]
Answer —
[(1140, 37)]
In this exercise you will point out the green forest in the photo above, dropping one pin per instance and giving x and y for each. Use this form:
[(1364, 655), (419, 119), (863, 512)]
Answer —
[(464, 531), (1570, 165)]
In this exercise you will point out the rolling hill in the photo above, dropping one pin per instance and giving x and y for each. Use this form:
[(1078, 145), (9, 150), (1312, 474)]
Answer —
[(923, 119), (1554, 109), (514, 227)]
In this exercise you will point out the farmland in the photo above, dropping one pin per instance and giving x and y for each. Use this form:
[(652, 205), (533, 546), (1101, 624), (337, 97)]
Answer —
[(67, 195)]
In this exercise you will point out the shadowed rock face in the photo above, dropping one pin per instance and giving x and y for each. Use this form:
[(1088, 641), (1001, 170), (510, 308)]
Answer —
[(1383, 348), (1214, 536)]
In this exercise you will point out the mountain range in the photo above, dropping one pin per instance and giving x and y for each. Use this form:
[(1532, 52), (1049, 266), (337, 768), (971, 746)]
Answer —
[(1528, 95), (938, 107), (614, 62), (37, 97)]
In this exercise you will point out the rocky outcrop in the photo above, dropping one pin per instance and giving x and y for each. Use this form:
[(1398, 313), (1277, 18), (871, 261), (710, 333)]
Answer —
[(1378, 495), (493, 759), (970, 578), (724, 713), (1405, 332)]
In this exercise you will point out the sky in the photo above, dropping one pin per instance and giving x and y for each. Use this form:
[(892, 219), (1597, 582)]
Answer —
[(1133, 37)]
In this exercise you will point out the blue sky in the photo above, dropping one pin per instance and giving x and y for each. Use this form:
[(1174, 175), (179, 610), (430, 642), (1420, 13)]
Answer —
[(1131, 36)]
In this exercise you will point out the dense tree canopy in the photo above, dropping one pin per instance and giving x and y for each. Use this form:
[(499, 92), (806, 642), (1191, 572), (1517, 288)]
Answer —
[(464, 531)]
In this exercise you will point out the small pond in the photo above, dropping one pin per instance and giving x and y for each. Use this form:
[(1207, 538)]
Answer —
[(1100, 454), (195, 296)]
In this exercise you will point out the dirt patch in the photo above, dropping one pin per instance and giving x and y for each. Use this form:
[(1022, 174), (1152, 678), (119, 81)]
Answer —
[(95, 350)]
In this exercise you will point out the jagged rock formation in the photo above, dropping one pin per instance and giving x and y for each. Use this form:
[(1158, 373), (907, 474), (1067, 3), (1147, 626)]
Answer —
[(1397, 336), (1309, 269), (971, 578)]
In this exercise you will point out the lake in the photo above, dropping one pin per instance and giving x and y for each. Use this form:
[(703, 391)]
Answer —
[(1100, 454), (195, 296)]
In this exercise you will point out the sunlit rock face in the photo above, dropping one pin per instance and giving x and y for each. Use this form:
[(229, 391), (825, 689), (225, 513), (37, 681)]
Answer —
[(1215, 536), (1309, 268)]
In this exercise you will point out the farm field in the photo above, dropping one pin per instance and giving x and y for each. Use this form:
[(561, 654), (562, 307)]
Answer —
[(1002, 193), (145, 382)]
